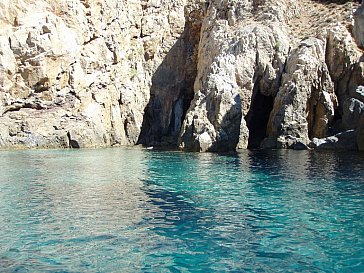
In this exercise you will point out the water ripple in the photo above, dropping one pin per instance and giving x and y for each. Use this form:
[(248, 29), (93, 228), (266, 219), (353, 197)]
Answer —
[(133, 210)]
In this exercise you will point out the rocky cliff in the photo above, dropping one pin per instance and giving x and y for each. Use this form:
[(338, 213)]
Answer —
[(202, 75)]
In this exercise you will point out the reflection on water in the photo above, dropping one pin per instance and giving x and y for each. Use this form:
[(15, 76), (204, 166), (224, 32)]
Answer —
[(132, 210), (66, 203)]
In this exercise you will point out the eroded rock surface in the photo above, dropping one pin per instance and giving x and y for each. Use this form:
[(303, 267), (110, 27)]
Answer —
[(241, 59), (204, 75), (79, 73), (260, 83)]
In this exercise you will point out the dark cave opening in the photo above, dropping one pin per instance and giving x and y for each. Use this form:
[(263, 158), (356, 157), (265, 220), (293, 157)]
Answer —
[(172, 89), (335, 126), (179, 111), (257, 118)]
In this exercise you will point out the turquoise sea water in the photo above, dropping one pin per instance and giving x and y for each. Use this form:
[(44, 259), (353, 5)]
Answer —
[(133, 210)]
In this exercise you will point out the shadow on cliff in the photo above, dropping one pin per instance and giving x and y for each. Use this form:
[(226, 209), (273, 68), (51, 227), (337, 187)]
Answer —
[(172, 91), (228, 131), (229, 135), (258, 117)]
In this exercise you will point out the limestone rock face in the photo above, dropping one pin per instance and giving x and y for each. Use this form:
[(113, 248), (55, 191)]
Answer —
[(240, 65), (79, 73), (261, 84), (172, 83), (202, 75), (305, 103)]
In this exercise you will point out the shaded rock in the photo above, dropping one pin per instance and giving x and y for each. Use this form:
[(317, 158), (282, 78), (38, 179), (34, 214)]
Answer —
[(359, 93), (305, 103), (341, 57), (284, 142), (238, 65), (87, 61), (359, 26), (299, 146), (345, 64), (172, 83), (353, 111), (343, 141), (269, 143), (360, 134)]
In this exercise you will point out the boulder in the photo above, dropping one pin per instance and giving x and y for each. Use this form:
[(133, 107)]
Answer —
[(343, 141), (353, 111)]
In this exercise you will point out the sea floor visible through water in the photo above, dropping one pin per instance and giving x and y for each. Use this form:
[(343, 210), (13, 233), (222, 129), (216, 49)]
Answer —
[(138, 210)]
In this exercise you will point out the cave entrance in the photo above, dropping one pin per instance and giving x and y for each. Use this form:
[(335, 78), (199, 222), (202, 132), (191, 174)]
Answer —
[(172, 88), (257, 118)]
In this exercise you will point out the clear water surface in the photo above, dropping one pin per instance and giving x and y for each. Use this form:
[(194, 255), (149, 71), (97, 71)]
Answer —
[(134, 210)]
